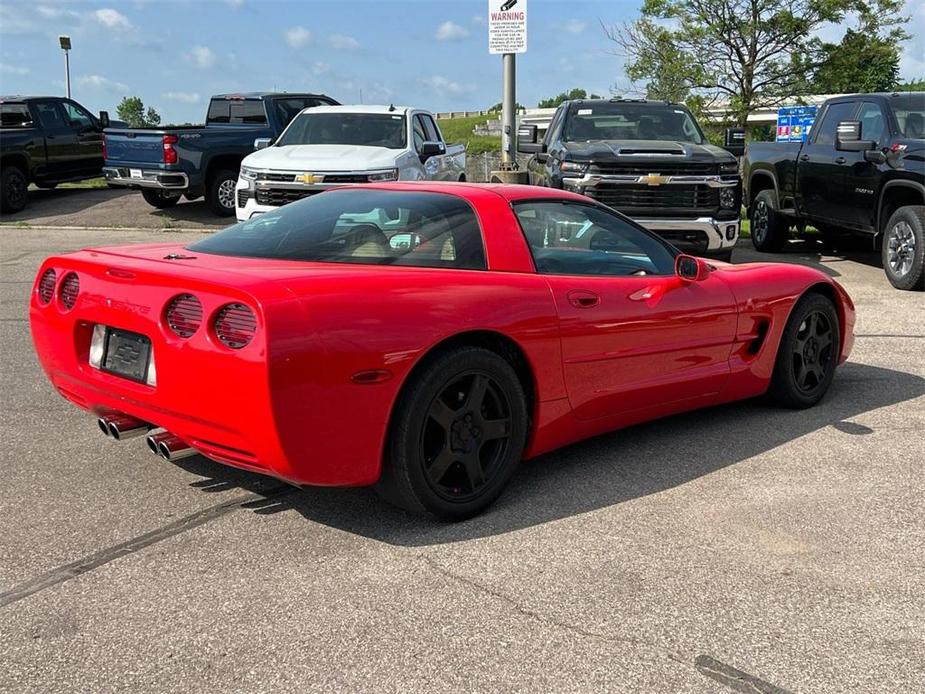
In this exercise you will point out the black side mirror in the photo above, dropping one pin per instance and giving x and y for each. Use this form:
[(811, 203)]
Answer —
[(848, 137), (431, 149), (104, 119), (734, 141), (537, 148), (691, 269)]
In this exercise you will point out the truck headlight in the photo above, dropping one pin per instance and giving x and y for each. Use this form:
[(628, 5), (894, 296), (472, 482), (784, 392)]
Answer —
[(248, 173), (379, 176), (727, 197), (729, 167), (572, 168)]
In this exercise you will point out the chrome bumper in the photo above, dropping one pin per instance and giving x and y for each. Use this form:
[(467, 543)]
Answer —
[(150, 178), (721, 235)]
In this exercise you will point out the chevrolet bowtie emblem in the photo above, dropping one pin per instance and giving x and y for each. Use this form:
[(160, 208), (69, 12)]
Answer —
[(308, 178), (654, 179)]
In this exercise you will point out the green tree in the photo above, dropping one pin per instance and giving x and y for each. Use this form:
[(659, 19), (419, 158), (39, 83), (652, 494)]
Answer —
[(748, 53), (575, 93), (860, 63), (132, 111)]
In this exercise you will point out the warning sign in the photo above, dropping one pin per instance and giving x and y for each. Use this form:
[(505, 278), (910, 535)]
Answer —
[(507, 26)]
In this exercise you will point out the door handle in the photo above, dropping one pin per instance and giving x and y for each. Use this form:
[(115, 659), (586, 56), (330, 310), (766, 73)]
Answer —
[(804, 157), (840, 160), (582, 298)]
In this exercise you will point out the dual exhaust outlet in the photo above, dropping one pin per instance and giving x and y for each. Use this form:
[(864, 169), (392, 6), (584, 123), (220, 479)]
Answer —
[(164, 444)]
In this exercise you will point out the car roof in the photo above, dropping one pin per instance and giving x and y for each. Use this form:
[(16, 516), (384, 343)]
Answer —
[(28, 98), (472, 191), (361, 108), (263, 95)]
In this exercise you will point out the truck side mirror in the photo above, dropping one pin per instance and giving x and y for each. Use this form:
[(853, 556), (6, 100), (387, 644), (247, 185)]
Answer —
[(848, 137), (430, 149), (262, 143), (527, 133), (734, 141), (104, 119)]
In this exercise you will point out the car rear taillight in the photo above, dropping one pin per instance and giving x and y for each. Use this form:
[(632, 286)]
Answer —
[(70, 287), (46, 288), (170, 154), (235, 326), (184, 315)]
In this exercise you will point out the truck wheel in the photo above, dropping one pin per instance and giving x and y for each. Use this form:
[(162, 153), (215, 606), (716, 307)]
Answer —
[(220, 194), (161, 199), (13, 189), (904, 248), (770, 230)]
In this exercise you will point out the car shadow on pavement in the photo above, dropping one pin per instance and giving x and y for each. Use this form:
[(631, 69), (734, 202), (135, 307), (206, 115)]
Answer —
[(809, 251), (601, 472), (62, 202)]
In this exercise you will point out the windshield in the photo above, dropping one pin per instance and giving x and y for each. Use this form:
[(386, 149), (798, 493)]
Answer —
[(910, 114), (367, 226), (363, 129), (627, 121)]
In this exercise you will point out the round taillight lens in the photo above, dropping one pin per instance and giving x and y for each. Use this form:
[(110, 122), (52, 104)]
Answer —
[(70, 288), (184, 315), (46, 288), (235, 325)]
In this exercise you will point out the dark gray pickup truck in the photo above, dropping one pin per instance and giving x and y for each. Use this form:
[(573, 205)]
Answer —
[(46, 140), (862, 171), (192, 161), (648, 160)]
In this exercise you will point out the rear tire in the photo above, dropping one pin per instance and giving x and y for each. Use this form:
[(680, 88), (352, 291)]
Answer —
[(13, 187), (220, 193), (161, 199), (457, 436), (904, 248), (807, 354), (769, 229)]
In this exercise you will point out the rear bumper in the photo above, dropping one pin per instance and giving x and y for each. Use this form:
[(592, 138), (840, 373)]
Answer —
[(150, 178)]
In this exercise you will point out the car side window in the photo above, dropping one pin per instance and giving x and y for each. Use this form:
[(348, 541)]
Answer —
[(554, 127), (50, 116), (76, 116), (430, 128), (825, 131), (568, 238), (419, 132), (873, 124)]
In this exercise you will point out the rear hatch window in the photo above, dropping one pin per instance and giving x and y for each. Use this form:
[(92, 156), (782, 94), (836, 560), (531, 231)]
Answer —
[(237, 111), (15, 116), (365, 226)]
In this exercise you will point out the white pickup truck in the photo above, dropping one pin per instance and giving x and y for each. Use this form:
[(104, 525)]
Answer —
[(328, 146)]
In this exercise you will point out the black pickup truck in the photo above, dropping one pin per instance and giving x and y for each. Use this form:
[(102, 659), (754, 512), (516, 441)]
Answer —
[(648, 160), (192, 161), (46, 140), (861, 171)]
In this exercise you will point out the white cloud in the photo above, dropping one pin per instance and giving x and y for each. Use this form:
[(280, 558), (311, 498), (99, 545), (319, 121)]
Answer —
[(342, 42), (320, 68), (450, 31), (201, 57), (298, 37), (101, 83), (112, 19), (479, 19), (444, 85), (235, 3), (56, 12), (182, 97), (575, 26), (912, 60), (13, 69)]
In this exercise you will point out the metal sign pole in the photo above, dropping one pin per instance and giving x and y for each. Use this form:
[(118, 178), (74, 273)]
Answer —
[(508, 115), (67, 73)]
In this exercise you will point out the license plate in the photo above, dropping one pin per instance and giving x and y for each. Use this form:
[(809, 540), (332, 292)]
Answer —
[(127, 354), (135, 173)]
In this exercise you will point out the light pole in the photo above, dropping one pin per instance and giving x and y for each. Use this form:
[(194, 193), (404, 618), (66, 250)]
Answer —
[(65, 42)]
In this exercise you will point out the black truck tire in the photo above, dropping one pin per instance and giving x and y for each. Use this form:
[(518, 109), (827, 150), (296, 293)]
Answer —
[(220, 192), (161, 199), (769, 229), (904, 248), (13, 189)]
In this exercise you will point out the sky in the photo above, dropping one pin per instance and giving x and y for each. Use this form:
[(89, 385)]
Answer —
[(427, 53)]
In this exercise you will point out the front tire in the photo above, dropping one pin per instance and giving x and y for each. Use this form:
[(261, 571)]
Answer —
[(769, 229), (161, 199), (457, 436), (904, 248), (220, 193), (13, 187), (807, 354)]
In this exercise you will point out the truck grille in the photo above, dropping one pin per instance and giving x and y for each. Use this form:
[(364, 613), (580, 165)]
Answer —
[(641, 169), (653, 199), (346, 178), (280, 196)]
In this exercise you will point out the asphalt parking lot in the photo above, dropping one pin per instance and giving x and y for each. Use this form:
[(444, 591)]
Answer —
[(742, 548)]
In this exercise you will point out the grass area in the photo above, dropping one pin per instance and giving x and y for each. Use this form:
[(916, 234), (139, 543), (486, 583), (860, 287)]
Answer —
[(89, 183), (459, 130)]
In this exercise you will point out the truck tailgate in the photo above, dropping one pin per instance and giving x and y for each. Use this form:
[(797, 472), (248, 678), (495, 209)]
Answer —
[(134, 146)]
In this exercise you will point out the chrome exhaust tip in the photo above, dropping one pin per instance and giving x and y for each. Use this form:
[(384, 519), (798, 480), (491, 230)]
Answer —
[(153, 440), (173, 448), (122, 426)]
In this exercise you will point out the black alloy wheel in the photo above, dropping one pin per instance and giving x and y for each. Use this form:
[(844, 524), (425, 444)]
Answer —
[(14, 187), (812, 352)]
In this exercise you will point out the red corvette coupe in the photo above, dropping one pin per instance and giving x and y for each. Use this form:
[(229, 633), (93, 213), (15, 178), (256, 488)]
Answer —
[(422, 337)]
